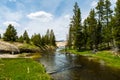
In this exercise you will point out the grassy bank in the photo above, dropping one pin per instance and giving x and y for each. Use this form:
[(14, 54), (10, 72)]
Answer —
[(17, 47), (110, 59), (22, 69), (24, 47), (31, 48)]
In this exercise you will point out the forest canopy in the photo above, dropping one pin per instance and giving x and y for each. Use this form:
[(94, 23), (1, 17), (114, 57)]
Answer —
[(100, 30)]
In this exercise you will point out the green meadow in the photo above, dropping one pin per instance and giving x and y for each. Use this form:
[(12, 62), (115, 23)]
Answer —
[(22, 69)]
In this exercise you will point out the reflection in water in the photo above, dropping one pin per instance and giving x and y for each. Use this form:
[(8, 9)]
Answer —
[(76, 67)]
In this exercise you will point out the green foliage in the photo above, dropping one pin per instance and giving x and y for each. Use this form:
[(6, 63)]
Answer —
[(75, 33), (100, 15), (26, 46), (20, 39), (100, 10), (0, 36), (43, 43), (85, 33), (26, 37), (117, 24), (48, 39), (107, 29), (52, 38), (97, 30), (36, 39), (10, 34), (69, 38), (108, 12), (22, 69), (92, 30), (78, 27)]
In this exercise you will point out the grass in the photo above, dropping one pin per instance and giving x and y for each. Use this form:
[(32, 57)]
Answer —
[(28, 46), (110, 59), (22, 69)]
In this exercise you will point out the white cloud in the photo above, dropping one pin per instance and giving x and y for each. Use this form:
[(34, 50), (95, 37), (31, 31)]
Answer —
[(11, 22), (58, 24), (40, 15), (94, 4)]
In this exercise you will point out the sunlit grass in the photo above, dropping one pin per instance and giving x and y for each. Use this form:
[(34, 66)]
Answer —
[(28, 46), (22, 69)]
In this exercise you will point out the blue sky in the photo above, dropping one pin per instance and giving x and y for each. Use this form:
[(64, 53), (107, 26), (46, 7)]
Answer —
[(36, 16)]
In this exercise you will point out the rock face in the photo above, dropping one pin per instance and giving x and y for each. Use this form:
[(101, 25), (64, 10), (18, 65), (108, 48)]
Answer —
[(6, 47), (61, 43)]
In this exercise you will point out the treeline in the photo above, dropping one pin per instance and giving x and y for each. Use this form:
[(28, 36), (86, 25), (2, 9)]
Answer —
[(36, 39), (100, 30)]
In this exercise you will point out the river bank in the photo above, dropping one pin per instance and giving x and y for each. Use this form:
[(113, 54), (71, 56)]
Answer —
[(17, 61), (107, 57), (22, 66)]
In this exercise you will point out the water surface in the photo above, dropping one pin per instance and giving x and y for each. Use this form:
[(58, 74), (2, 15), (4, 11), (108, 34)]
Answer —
[(75, 67)]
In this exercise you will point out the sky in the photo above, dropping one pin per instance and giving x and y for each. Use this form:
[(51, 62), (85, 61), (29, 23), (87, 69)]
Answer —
[(36, 16)]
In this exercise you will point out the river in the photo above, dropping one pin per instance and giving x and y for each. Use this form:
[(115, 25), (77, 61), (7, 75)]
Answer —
[(75, 67)]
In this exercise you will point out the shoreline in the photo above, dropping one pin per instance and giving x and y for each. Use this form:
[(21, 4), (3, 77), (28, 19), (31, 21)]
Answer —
[(110, 59)]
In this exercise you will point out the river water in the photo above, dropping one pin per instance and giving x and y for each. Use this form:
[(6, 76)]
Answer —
[(75, 67)]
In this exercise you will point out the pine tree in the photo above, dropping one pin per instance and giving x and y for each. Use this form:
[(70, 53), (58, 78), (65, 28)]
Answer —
[(92, 30), (10, 34), (117, 24), (108, 12), (100, 10), (77, 28), (43, 41), (100, 13), (47, 37), (112, 31), (52, 38), (0, 36), (20, 39), (70, 38), (36, 39), (85, 33), (107, 29), (26, 37)]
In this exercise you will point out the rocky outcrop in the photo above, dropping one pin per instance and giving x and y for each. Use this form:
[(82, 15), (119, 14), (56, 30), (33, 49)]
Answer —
[(6, 47), (15, 47)]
